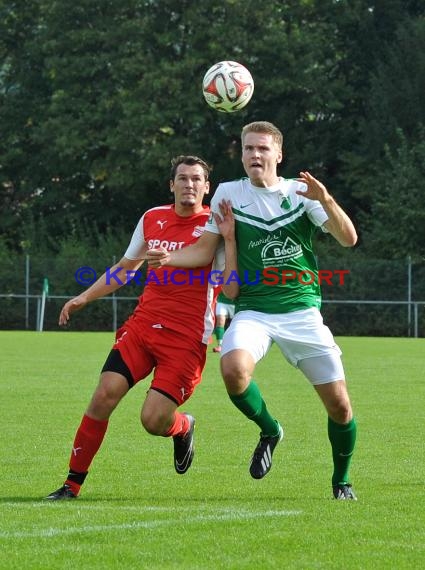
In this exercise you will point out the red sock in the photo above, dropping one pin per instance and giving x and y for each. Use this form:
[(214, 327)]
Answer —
[(87, 441), (180, 426)]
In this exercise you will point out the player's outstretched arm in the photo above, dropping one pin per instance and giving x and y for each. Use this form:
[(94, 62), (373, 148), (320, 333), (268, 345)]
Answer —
[(226, 224), (338, 224), (117, 276), (198, 254)]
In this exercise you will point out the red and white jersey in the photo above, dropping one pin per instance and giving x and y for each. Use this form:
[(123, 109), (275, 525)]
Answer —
[(178, 299)]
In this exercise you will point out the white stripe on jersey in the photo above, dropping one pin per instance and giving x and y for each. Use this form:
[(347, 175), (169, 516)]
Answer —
[(262, 206)]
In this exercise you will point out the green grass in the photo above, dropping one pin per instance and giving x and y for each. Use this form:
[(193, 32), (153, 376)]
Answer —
[(135, 512)]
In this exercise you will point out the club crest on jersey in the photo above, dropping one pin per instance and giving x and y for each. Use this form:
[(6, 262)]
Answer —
[(286, 203), (198, 231)]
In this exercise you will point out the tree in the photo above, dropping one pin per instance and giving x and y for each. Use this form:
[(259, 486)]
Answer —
[(395, 227), (20, 87), (386, 174), (97, 96)]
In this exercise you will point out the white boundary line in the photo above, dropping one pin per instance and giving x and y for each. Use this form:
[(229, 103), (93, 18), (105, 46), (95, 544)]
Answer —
[(136, 525)]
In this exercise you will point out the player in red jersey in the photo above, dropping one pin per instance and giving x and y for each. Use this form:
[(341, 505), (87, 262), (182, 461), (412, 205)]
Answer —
[(168, 331)]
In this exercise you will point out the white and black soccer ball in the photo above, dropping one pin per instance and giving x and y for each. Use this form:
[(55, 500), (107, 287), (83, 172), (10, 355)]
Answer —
[(227, 86)]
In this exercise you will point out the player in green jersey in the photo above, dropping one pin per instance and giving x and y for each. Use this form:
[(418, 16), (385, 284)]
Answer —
[(224, 313), (267, 224)]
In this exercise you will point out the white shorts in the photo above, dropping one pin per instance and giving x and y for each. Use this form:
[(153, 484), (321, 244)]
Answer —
[(300, 335), (225, 310)]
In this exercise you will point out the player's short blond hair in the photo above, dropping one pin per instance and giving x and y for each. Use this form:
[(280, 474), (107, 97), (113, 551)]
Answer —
[(263, 127)]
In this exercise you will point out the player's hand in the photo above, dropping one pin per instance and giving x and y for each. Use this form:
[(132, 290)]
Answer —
[(158, 257), (226, 221), (70, 307), (315, 189)]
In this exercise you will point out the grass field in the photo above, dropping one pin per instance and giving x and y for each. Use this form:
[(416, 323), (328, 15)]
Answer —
[(135, 512)]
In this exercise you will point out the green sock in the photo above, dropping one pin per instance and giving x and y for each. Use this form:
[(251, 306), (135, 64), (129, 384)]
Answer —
[(253, 406), (343, 439), (219, 334)]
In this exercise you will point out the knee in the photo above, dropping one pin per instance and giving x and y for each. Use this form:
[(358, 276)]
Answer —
[(335, 397), (236, 375), (154, 422), (105, 399), (220, 321), (340, 411)]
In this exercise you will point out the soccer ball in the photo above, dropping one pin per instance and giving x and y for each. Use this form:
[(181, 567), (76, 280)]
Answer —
[(227, 86)]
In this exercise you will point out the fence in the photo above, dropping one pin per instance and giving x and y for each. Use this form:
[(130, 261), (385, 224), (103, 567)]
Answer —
[(363, 298)]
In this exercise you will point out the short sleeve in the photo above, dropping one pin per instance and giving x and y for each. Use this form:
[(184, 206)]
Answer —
[(135, 247)]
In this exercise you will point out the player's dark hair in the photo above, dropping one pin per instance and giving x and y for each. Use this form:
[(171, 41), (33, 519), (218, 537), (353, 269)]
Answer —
[(190, 161), (264, 127)]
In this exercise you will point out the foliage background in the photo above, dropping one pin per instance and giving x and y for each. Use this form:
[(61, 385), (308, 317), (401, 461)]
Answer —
[(97, 96)]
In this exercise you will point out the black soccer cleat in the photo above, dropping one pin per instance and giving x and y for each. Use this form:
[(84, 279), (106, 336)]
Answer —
[(63, 494), (343, 492), (261, 461), (184, 448)]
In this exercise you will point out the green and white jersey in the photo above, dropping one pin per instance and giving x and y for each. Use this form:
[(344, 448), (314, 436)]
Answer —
[(225, 300), (277, 269)]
